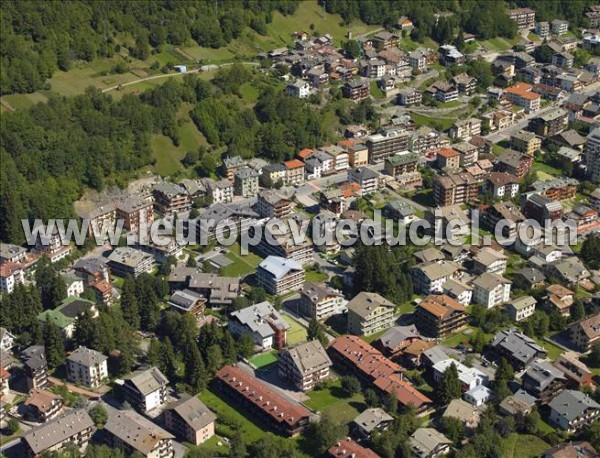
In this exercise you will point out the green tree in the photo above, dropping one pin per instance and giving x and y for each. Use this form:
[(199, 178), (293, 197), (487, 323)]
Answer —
[(13, 426), (316, 331), (352, 49), (195, 372), (98, 415), (371, 398), (453, 429), (325, 432), (350, 384), (129, 303), (450, 387), (214, 359), (103, 451), (594, 356), (237, 446), (53, 341)]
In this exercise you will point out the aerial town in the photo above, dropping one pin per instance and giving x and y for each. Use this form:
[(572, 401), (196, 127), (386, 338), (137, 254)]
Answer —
[(475, 344)]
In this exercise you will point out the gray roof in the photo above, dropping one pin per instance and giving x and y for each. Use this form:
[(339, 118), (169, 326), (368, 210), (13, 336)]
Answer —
[(531, 274), (136, 431), (148, 381), (364, 303), (424, 441), (169, 189), (255, 317), (315, 292), (543, 373), (55, 431), (184, 299), (488, 281), (400, 207), (193, 412), (279, 267), (91, 265), (133, 203), (8, 250), (87, 357), (128, 256), (521, 347), (522, 302), (429, 254), (370, 419), (245, 173), (35, 356), (572, 404), (309, 356), (435, 354), (398, 334), (437, 270)]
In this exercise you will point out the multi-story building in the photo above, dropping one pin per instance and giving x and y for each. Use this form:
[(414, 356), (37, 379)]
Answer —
[(469, 151), (245, 182), (448, 159), (265, 324), (524, 17), (298, 88), (375, 68), (369, 313), (320, 301), (573, 410), (521, 308), (399, 164), (270, 204), (455, 188), (418, 60), (386, 143), (592, 155), (52, 246), (232, 164), (525, 142), (87, 367), (424, 140), (125, 261), (506, 211), (442, 91), (513, 162), (563, 60), (577, 373), (429, 443), (409, 96), (542, 209), (469, 377), (440, 315), (465, 84), (12, 253), (280, 242), (543, 380), (261, 402), (11, 275), (220, 191), (74, 429), (36, 367), (294, 172), (340, 157), (491, 289), (489, 260), (170, 198), (585, 333), (549, 124), (430, 278), (304, 365), (146, 389), (280, 275), (542, 29), (465, 129), (190, 420), (356, 90), (501, 185), (450, 55), (518, 349), (135, 435), (558, 189), (42, 406), (134, 212), (521, 94), (358, 155), (367, 179), (385, 40)]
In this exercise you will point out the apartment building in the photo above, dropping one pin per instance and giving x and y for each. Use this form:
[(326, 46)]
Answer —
[(136, 435), (261, 402), (592, 155), (501, 185), (170, 198), (220, 191), (298, 88), (469, 152), (521, 95), (518, 349), (524, 17), (558, 189), (320, 301), (440, 315), (304, 365), (348, 448), (577, 373), (280, 242), (270, 204), (232, 164), (409, 96), (125, 261), (42, 406), (573, 410), (294, 172), (367, 179), (279, 275), (542, 29), (430, 278), (386, 143), (469, 377), (12, 253), (11, 275), (245, 182), (525, 142), (356, 90), (585, 333), (464, 83), (549, 124), (543, 380), (190, 420), (74, 429), (265, 324), (513, 162), (521, 308), (87, 367), (399, 164), (52, 246), (36, 367), (442, 91), (490, 290), (369, 313), (358, 155), (448, 159), (489, 260), (145, 389), (542, 209), (465, 129), (455, 188)]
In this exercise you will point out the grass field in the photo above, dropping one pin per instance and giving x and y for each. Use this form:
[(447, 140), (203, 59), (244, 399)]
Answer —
[(296, 333), (554, 351), (242, 264), (264, 359), (373, 337), (229, 418), (539, 166), (523, 446), (211, 445), (376, 91), (314, 276), (441, 123), (332, 401), (500, 44)]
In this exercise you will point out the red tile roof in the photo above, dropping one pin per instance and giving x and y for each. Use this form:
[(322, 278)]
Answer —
[(448, 152), (306, 152), (271, 403), (406, 393), (293, 164), (347, 448), (9, 268)]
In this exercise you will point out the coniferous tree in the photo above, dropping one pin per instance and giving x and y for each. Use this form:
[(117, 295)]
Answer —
[(85, 329), (153, 357), (229, 348), (450, 385), (53, 341), (129, 303), (214, 359), (195, 371), (52, 287), (237, 446), (168, 362)]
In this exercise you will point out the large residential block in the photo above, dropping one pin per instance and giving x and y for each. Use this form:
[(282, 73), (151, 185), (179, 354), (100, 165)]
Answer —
[(369, 313), (440, 315), (320, 301), (279, 275), (170, 198), (304, 365), (87, 367), (145, 389), (190, 420), (573, 410), (265, 324)]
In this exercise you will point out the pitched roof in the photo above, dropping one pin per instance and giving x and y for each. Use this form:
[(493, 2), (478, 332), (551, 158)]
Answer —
[(441, 305), (371, 418), (308, 356), (572, 404), (426, 440), (55, 431), (41, 400), (193, 412), (148, 381), (136, 431), (347, 448), (279, 267), (364, 303), (87, 356)]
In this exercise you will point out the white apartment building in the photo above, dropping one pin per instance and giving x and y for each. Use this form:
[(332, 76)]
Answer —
[(490, 289), (87, 367), (320, 301)]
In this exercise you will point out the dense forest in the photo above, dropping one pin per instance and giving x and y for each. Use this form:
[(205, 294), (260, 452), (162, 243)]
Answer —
[(39, 37), (52, 152)]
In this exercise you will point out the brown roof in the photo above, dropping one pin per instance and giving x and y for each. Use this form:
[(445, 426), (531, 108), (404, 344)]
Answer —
[(366, 358), (448, 152), (271, 403), (559, 291), (347, 448), (416, 347), (591, 326), (41, 400), (306, 152), (406, 393), (441, 305), (293, 164)]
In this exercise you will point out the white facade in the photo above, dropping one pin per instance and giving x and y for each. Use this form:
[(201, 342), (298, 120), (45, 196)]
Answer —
[(468, 376), (490, 297), (10, 277)]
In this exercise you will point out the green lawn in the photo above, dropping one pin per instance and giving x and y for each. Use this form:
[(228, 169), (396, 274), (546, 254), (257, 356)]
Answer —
[(523, 446), (441, 123), (229, 418), (314, 276), (373, 337), (296, 333), (242, 264), (264, 359), (500, 44), (212, 446), (554, 351), (249, 92), (539, 166), (332, 400), (452, 104), (376, 91)]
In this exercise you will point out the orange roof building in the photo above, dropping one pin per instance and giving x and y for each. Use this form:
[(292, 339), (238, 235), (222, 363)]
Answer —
[(347, 448), (293, 164), (448, 152), (521, 94), (306, 153), (440, 315), (405, 392)]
